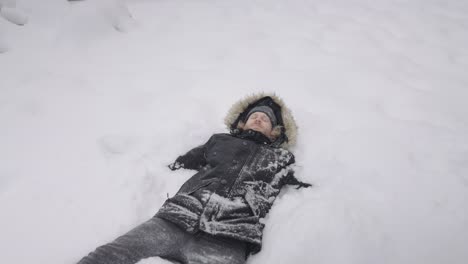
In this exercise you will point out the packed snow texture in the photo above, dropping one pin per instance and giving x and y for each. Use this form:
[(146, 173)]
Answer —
[(97, 97)]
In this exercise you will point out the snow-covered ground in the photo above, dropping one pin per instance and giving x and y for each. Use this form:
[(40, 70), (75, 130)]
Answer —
[(97, 97)]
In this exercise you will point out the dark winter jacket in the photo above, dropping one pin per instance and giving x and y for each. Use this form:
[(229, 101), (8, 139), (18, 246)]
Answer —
[(239, 176)]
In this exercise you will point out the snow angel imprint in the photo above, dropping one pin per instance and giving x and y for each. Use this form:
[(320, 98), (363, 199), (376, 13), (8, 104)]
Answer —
[(215, 217)]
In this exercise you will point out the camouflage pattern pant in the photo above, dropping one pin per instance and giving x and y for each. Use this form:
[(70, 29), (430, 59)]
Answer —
[(161, 238)]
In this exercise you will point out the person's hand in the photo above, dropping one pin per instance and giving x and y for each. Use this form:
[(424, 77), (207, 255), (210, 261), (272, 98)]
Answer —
[(303, 185), (174, 166)]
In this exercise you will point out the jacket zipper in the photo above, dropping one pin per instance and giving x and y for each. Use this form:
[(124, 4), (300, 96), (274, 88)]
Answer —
[(247, 161), (201, 186)]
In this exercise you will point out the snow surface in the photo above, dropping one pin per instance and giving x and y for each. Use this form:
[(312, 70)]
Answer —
[(97, 97)]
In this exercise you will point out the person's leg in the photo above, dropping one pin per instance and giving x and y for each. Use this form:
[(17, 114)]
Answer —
[(208, 249), (156, 237)]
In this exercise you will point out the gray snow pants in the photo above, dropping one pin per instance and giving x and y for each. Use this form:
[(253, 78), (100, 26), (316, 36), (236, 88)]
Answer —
[(160, 238)]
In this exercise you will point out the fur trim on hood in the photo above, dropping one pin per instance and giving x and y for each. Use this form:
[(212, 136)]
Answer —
[(290, 127)]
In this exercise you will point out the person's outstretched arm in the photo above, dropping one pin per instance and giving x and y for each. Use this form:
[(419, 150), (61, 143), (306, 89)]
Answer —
[(194, 159)]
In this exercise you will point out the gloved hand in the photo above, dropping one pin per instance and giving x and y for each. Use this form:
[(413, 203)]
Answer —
[(302, 185), (174, 166), (291, 180)]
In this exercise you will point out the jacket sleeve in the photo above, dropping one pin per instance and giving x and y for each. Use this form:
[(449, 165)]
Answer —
[(194, 159)]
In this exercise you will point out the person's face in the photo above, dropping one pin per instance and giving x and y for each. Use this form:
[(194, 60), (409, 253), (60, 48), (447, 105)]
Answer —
[(260, 122)]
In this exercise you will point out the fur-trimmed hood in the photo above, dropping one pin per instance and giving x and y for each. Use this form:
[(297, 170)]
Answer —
[(239, 108)]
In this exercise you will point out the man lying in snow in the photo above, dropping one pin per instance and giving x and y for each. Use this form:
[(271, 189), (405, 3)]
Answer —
[(215, 216)]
